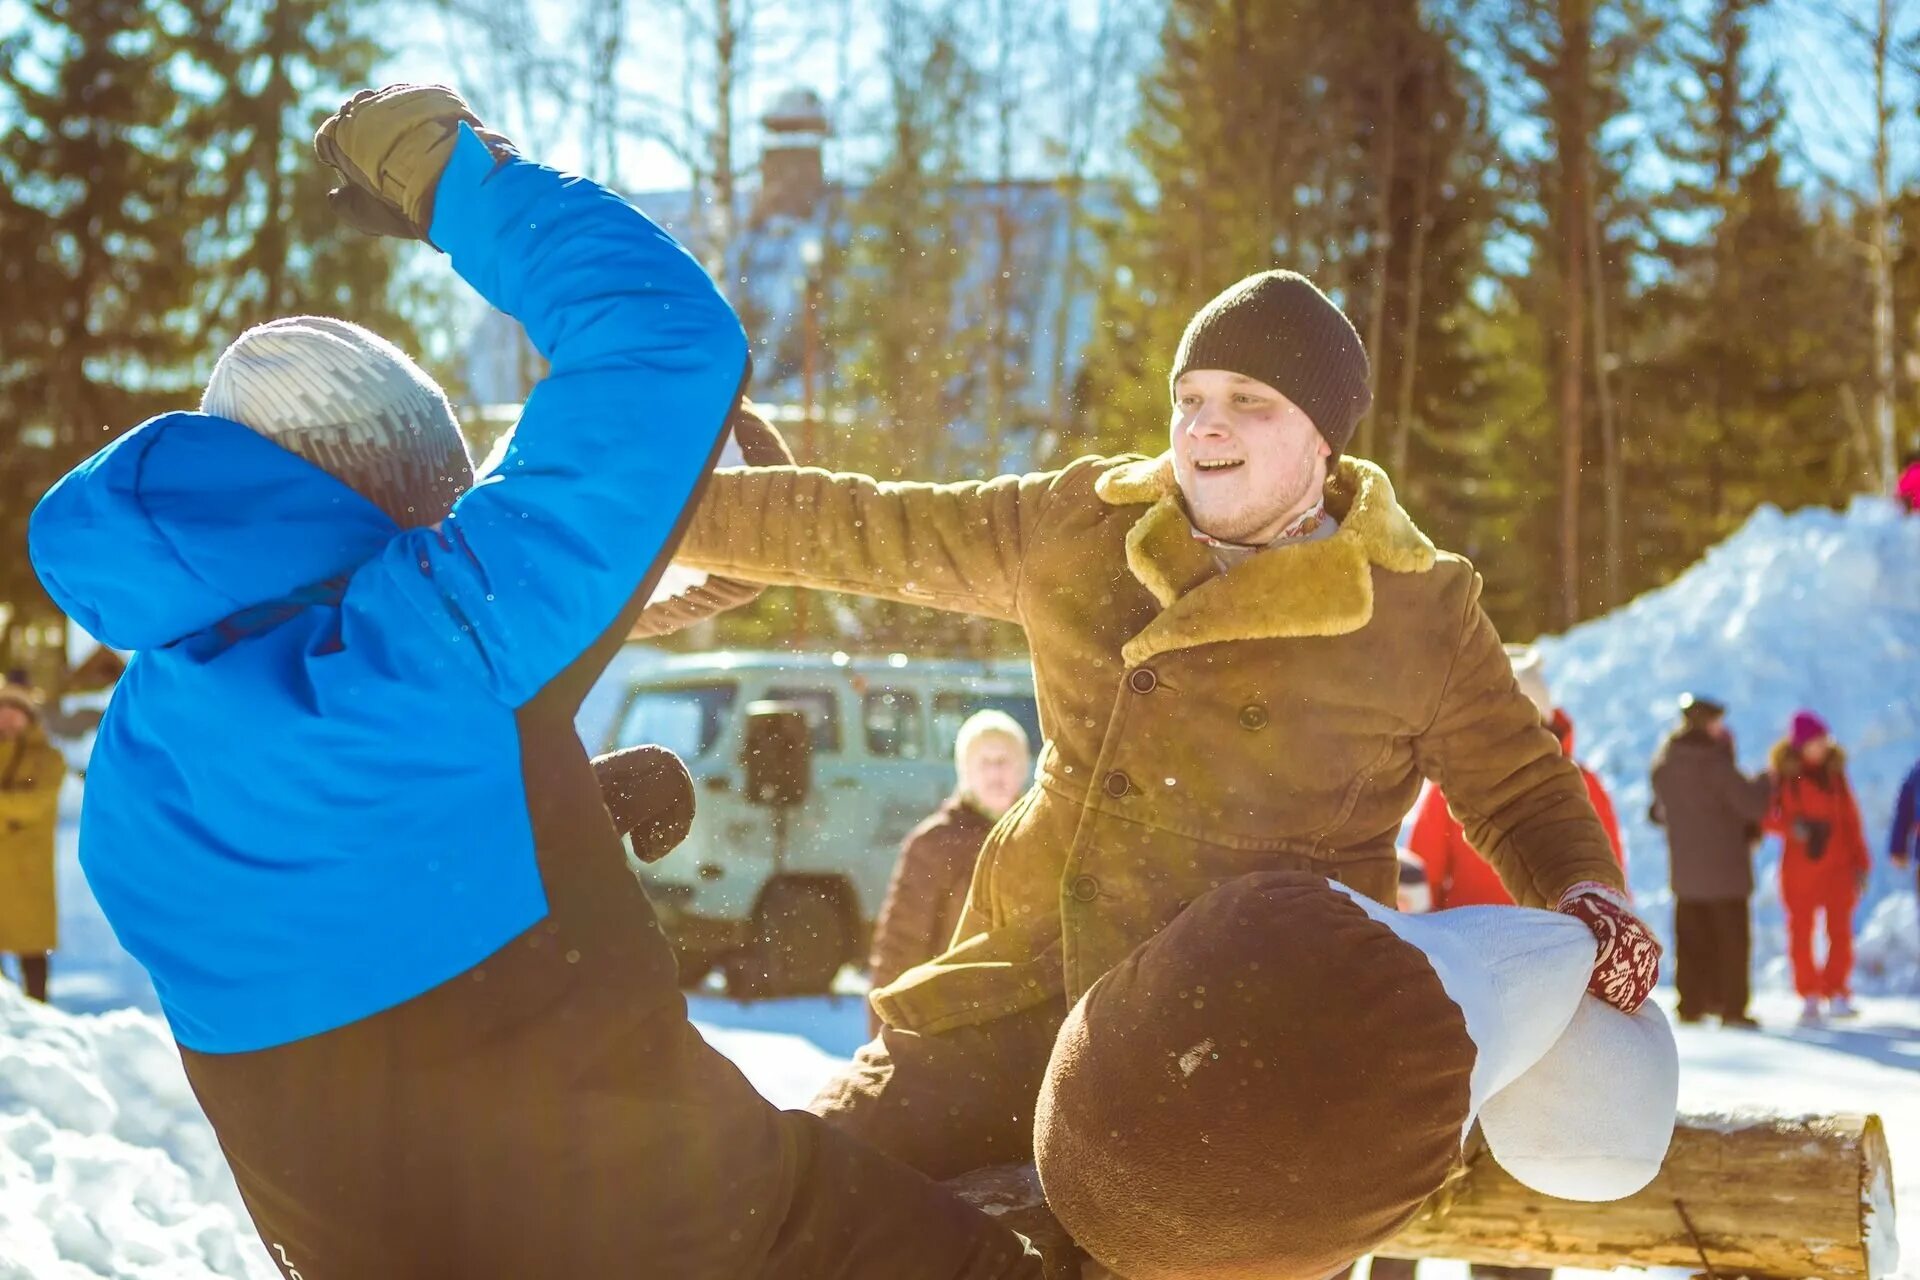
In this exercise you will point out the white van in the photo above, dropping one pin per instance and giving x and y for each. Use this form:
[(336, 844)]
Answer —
[(783, 922)]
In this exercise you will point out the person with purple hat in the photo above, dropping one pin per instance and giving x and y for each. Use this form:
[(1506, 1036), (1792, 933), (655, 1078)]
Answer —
[(1823, 862)]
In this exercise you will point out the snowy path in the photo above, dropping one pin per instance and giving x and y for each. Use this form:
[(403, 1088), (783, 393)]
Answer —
[(107, 1169)]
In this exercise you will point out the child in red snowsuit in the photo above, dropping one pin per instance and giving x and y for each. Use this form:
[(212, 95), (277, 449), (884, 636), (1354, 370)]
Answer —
[(1823, 861)]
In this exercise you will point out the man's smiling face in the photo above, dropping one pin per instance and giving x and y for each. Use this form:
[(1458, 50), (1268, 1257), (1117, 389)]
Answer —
[(1248, 460)]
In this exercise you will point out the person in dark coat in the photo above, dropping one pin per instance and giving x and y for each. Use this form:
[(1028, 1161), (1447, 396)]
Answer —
[(1712, 813), (338, 808), (929, 886)]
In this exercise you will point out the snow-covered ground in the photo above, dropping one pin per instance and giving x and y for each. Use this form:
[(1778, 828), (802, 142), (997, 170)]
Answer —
[(107, 1168)]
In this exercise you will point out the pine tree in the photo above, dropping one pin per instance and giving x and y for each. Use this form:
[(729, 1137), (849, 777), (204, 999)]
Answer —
[(1754, 336), (1372, 178), (1571, 68), (270, 245), (94, 179), (1213, 206), (895, 322)]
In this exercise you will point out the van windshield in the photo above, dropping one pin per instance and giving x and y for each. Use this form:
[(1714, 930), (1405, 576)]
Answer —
[(686, 719)]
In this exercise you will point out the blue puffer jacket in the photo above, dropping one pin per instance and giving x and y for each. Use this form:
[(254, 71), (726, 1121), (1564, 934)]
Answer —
[(307, 799)]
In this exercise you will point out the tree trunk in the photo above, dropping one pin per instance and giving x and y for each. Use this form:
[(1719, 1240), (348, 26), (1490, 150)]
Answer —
[(1387, 113), (1416, 290), (727, 30), (1882, 251), (1756, 1196), (1572, 135), (999, 346), (1610, 470)]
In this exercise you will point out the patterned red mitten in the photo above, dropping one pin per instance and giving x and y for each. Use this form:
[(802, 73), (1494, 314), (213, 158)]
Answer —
[(1627, 962)]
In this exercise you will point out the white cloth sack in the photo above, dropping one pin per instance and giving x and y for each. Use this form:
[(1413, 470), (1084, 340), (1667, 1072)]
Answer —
[(1577, 1100)]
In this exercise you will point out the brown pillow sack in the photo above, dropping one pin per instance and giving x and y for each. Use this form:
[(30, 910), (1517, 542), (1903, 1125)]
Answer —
[(1268, 1088)]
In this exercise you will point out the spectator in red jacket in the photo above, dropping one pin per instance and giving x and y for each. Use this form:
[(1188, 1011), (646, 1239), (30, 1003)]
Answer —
[(1457, 876), (1823, 862)]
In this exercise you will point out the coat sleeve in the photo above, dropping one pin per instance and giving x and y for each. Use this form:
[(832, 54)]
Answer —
[(1774, 820), (1748, 799), (958, 547), (33, 795), (1855, 830), (904, 933), (1905, 831), (1520, 800), (646, 361)]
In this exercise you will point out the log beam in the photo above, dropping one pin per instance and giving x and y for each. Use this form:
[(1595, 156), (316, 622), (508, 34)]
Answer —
[(1762, 1196)]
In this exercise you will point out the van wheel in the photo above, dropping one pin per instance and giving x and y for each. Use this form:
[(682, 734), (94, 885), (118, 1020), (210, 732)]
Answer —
[(800, 940)]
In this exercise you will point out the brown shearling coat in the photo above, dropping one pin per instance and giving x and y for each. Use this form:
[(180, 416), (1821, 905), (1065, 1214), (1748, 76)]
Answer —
[(1199, 725)]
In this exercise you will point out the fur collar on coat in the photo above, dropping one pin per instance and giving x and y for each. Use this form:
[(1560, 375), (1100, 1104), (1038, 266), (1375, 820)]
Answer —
[(1321, 588)]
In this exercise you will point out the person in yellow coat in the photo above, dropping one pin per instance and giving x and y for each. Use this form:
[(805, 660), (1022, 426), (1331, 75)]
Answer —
[(30, 774)]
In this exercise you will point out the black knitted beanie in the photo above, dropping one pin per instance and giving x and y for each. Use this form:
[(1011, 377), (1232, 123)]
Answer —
[(1277, 327)]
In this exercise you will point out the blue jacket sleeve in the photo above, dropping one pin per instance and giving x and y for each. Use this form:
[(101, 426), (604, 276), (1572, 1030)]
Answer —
[(1905, 835), (646, 362)]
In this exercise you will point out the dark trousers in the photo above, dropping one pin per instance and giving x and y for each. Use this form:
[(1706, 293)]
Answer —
[(33, 974), (1712, 954), (948, 1103)]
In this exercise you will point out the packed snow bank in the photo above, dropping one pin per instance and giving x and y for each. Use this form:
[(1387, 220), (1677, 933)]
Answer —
[(107, 1167), (1816, 609)]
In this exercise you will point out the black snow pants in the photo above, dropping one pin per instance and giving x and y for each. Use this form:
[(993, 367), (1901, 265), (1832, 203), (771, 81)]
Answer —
[(1712, 957)]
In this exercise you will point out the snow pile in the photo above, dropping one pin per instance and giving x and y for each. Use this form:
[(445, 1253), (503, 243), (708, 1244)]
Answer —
[(1816, 609), (107, 1167)]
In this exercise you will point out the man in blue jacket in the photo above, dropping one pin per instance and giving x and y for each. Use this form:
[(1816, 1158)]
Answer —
[(337, 807)]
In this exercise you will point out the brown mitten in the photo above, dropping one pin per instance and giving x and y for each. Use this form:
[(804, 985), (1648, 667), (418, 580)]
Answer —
[(389, 147)]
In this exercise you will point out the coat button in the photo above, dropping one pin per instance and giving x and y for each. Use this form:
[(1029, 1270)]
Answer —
[(1118, 784), (1143, 681), (1085, 888), (1253, 716)]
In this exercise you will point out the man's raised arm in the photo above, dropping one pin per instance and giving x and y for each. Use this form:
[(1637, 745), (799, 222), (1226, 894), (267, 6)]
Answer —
[(949, 546), (544, 554)]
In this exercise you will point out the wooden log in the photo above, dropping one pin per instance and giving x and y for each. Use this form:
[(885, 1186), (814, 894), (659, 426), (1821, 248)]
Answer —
[(1762, 1196)]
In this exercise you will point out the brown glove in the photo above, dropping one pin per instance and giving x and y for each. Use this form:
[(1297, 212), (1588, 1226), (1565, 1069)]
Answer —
[(389, 147), (761, 446)]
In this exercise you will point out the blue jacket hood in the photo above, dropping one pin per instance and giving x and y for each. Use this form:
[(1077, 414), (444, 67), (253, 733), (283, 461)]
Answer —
[(188, 519)]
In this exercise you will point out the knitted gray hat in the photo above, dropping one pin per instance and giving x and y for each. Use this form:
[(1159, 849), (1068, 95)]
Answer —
[(1277, 327), (351, 403)]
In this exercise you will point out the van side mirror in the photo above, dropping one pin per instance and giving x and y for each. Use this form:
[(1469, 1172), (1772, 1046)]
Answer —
[(778, 754)]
